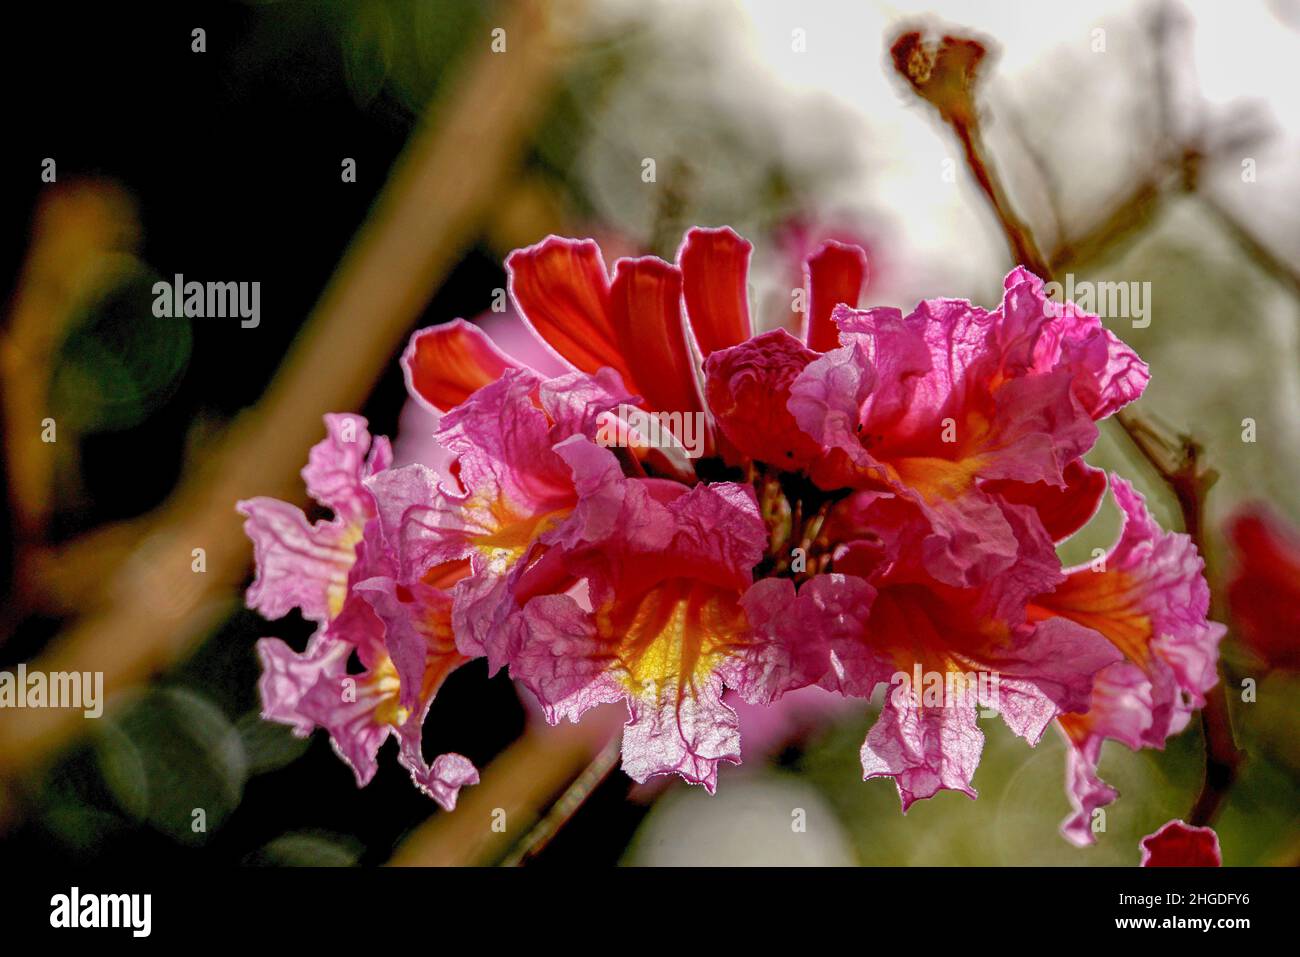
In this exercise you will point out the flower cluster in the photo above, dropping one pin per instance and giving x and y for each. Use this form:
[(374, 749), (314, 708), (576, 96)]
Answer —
[(880, 494)]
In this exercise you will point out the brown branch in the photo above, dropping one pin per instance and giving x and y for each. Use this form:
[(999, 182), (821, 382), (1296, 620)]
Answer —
[(1024, 248), (1178, 463), (1274, 265), (1125, 219), (83, 236), (434, 204)]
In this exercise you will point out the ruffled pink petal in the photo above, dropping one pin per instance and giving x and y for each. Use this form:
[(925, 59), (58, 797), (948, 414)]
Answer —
[(1106, 374), (748, 389), (1086, 791), (482, 608), (677, 731), (663, 579), (486, 604), (443, 779), (514, 485), (826, 399), (1151, 602), (306, 566), (1124, 704), (504, 444), (925, 750), (1045, 671), (792, 635), (409, 501), (575, 402), (892, 396), (338, 467), (346, 706), (563, 661), (298, 565), (417, 635), (288, 675)]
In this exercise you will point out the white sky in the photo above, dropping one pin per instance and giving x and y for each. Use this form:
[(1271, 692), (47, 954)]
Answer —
[(1240, 51)]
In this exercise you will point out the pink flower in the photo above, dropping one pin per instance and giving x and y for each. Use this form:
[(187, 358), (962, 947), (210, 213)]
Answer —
[(505, 492), (877, 497), (663, 619), (958, 410), (1181, 845), (339, 572), (970, 647), (1149, 599), (305, 566)]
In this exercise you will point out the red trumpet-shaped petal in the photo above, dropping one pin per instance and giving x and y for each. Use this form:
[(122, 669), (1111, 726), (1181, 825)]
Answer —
[(447, 364), (715, 265), (645, 308), (834, 274), (562, 290)]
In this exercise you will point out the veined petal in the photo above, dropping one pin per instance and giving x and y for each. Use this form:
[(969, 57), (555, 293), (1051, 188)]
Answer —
[(646, 312), (288, 675), (298, 565), (925, 750), (347, 706), (417, 635), (714, 264), (443, 779), (665, 581), (562, 290), (833, 275), (1086, 791), (306, 566), (337, 467), (670, 731), (1106, 373), (792, 635), (1149, 600), (444, 365), (748, 391)]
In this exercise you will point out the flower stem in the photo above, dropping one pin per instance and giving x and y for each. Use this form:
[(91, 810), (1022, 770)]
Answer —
[(1178, 465)]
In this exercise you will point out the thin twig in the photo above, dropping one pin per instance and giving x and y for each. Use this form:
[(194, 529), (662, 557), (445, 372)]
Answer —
[(535, 841), (1271, 263), (523, 778), (1177, 462), (1024, 248)]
